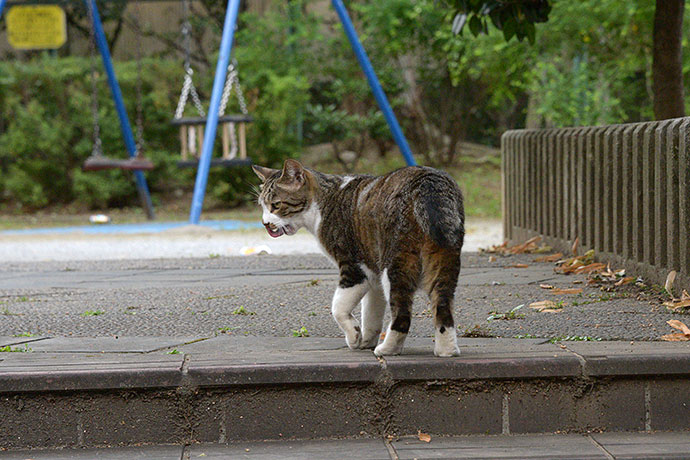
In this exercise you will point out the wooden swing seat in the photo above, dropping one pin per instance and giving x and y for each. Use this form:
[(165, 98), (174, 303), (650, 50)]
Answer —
[(234, 149), (217, 162), (101, 163), (194, 121)]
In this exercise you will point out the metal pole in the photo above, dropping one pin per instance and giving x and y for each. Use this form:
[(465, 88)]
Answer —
[(212, 120), (125, 127), (373, 82)]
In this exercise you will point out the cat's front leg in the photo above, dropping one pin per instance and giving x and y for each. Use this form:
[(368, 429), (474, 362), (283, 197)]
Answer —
[(345, 300)]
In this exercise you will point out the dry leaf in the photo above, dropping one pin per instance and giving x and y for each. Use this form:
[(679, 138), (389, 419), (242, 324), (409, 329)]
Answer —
[(517, 266), (551, 258), (626, 280), (546, 286), (545, 306), (566, 291), (382, 336), (424, 437), (575, 245), (669, 281), (677, 337), (591, 268), (685, 295), (677, 304), (527, 246), (492, 258), (674, 323)]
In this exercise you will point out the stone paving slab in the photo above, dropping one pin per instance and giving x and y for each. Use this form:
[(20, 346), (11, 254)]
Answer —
[(228, 360), (10, 341), (628, 446), (598, 446), (633, 358), (546, 447), (108, 344), (78, 371), (350, 449), (113, 453)]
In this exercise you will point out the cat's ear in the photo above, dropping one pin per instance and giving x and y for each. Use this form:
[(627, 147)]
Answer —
[(263, 173), (293, 176)]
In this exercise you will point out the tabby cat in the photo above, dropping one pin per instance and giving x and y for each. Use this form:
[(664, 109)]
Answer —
[(387, 234)]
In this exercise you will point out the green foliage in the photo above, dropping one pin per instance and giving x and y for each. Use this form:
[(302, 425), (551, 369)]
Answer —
[(514, 18)]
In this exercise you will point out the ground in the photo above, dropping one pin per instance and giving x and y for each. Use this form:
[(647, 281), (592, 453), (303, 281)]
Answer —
[(279, 295)]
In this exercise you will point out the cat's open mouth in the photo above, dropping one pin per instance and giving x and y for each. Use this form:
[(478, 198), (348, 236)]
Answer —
[(276, 231)]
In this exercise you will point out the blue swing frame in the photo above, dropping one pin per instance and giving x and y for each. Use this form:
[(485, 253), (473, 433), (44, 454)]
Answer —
[(218, 82)]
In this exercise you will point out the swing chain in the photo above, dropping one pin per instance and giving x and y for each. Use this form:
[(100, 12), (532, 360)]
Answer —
[(139, 95), (232, 80), (188, 85), (97, 143)]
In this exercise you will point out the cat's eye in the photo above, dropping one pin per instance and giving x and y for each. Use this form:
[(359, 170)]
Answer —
[(275, 205)]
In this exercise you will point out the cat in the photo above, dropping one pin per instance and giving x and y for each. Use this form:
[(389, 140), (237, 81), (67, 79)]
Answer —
[(388, 235)]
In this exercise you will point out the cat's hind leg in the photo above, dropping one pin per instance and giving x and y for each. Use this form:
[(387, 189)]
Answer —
[(373, 309), (400, 280), (441, 270), (350, 291)]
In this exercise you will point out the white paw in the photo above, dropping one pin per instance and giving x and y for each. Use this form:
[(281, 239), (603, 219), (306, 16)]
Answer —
[(446, 343), (370, 339), (354, 341), (447, 352), (384, 350)]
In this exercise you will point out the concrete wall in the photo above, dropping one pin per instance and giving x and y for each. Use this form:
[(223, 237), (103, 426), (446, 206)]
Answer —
[(624, 190)]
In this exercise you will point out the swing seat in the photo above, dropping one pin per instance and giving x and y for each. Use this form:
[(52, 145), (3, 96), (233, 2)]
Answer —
[(194, 121), (101, 163), (217, 162)]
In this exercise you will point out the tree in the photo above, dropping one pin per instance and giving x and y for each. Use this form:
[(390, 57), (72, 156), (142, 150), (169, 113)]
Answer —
[(667, 67), (517, 18)]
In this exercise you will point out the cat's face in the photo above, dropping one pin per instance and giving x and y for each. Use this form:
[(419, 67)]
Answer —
[(285, 198)]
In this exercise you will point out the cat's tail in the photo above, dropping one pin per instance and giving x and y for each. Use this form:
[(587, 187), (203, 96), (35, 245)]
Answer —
[(439, 211)]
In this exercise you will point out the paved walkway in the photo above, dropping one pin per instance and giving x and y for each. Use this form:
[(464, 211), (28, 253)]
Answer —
[(597, 446), (276, 295)]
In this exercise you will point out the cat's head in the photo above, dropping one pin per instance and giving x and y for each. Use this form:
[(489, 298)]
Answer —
[(285, 197)]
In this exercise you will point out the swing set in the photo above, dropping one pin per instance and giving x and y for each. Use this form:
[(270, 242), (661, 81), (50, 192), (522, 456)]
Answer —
[(197, 134)]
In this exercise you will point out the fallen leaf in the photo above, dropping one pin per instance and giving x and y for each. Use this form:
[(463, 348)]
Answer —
[(677, 337), (685, 295), (669, 282), (546, 286), (674, 323), (626, 280), (527, 246), (517, 266), (591, 268), (551, 258), (543, 249), (382, 336), (492, 258), (546, 306), (677, 304), (424, 437), (575, 245), (566, 291)]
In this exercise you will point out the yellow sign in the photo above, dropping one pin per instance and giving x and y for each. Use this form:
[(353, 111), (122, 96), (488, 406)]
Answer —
[(36, 27)]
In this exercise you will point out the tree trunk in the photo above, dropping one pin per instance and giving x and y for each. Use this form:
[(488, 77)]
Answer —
[(667, 65)]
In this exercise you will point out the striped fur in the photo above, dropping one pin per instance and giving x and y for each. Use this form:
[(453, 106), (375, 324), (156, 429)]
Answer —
[(389, 235)]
